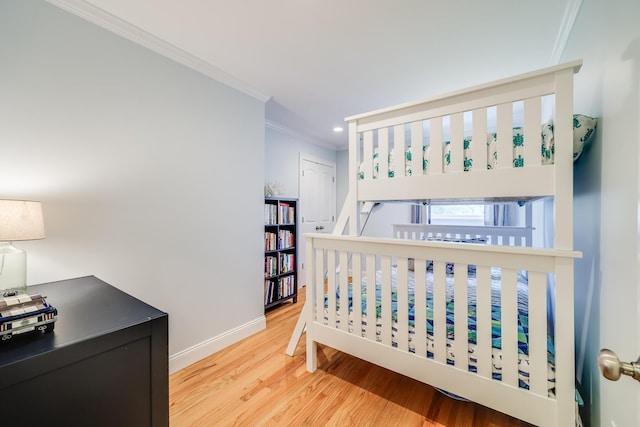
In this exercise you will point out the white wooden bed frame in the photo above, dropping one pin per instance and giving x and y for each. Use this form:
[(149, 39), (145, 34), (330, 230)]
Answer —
[(347, 255)]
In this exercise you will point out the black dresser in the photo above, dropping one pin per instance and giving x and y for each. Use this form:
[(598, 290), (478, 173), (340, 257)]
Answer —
[(105, 363)]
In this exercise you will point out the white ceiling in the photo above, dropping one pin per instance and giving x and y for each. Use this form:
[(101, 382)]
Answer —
[(319, 61)]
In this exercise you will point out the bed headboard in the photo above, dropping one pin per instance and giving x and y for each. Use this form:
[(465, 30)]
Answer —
[(516, 101)]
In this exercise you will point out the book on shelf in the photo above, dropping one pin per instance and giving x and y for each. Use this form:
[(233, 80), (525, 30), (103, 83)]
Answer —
[(286, 239), (270, 214), (287, 262), (286, 213), (270, 266), (286, 286), (270, 241), (269, 289), (276, 290)]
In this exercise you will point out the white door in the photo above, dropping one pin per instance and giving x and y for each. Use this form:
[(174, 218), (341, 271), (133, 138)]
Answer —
[(317, 211)]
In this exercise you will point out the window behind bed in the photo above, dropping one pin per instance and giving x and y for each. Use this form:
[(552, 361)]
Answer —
[(509, 214)]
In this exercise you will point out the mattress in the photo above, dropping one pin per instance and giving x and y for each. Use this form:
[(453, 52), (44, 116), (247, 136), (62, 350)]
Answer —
[(523, 345)]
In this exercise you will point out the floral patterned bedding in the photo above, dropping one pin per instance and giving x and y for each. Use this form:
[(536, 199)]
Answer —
[(583, 128)]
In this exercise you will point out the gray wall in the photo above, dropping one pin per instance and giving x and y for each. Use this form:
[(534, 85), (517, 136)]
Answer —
[(150, 174), (282, 155), (607, 36)]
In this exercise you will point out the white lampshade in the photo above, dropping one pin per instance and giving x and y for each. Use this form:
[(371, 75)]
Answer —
[(20, 220)]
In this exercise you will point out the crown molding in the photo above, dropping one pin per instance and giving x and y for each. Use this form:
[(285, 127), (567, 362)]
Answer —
[(566, 26), (112, 23)]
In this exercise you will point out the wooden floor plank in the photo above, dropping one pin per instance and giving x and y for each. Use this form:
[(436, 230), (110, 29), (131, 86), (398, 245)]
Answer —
[(253, 383)]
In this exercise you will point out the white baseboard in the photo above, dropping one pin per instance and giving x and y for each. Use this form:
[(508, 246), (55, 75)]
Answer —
[(188, 356)]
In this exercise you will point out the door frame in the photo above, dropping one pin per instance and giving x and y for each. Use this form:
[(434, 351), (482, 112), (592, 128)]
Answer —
[(318, 160)]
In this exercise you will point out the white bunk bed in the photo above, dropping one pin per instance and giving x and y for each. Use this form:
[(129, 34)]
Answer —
[(416, 329)]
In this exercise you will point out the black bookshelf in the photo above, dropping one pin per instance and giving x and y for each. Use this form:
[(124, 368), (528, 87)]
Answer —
[(280, 251)]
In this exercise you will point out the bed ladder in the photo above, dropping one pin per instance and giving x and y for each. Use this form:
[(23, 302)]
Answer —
[(365, 212)]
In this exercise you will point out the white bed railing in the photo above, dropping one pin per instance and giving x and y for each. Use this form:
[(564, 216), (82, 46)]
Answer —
[(353, 258)]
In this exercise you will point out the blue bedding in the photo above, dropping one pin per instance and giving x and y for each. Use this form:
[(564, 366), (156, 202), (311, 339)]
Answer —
[(523, 324)]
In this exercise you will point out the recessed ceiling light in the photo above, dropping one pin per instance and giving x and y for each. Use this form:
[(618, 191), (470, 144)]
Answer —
[(338, 129)]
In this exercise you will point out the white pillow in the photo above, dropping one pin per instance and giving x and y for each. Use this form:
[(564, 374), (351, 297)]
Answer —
[(583, 129)]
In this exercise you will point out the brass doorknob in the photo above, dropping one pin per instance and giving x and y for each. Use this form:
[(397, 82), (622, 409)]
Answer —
[(612, 368)]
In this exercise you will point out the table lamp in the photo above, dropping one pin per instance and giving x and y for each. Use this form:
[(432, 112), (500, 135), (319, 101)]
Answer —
[(19, 220)]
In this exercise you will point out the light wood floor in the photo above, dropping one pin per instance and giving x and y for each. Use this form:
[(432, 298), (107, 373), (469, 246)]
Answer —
[(253, 383)]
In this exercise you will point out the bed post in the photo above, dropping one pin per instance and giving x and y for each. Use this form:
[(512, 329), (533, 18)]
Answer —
[(308, 312), (563, 131), (563, 213), (351, 204)]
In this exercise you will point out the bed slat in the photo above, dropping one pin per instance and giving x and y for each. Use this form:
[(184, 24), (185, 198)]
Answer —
[(461, 316), (416, 148), (435, 144), (320, 287), (537, 333), (420, 310), (383, 153), (344, 290), (505, 136), (367, 152), (509, 321), (532, 133), (331, 287), (456, 145), (385, 289), (371, 297), (479, 140), (439, 312), (403, 305), (483, 321), (399, 149), (356, 261)]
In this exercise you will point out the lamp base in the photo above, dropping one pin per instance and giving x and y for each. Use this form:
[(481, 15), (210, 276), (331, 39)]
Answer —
[(13, 269)]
